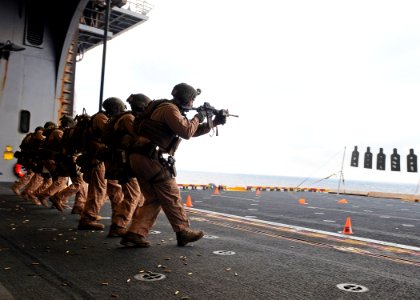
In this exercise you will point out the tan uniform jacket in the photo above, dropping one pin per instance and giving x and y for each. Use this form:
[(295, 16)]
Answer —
[(53, 145), (98, 126), (125, 126), (53, 141), (169, 113), (99, 121)]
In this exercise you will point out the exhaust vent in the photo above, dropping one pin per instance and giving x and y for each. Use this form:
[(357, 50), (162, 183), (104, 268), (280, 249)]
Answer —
[(35, 24)]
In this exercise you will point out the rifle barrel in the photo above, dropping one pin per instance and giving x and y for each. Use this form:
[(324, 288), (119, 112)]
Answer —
[(215, 111)]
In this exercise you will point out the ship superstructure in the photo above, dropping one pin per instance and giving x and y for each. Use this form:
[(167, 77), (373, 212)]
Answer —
[(40, 44)]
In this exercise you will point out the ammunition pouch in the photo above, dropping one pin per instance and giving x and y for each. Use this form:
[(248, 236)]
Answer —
[(66, 167), (167, 171), (168, 164), (85, 162), (173, 146), (161, 135), (118, 168), (149, 150)]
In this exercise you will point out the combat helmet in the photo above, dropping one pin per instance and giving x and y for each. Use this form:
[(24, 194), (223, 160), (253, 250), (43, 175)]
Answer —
[(138, 102), (66, 121), (113, 106), (183, 93), (49, 125)]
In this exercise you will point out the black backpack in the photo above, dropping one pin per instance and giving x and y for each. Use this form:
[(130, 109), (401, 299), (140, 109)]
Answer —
[(79, 136), (111, 137)]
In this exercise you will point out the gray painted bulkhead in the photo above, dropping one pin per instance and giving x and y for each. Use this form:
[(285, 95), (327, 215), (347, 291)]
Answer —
[(31, 79)]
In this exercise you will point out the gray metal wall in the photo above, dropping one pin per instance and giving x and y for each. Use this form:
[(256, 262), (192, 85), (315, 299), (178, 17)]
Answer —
[(27, 81)]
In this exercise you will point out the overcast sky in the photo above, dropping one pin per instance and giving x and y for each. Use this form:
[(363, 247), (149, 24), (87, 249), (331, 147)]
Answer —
[(307, 78)]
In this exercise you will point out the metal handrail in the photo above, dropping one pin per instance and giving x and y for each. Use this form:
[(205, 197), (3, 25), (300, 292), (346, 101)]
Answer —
[(138, 6), (94, 12)]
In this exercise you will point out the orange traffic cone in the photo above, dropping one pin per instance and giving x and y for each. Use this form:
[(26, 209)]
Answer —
[(216, 191), (342, 201), (347, 227), (302, 201), (189, 202)]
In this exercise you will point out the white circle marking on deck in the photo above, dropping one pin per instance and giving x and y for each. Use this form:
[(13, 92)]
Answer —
[(352, 287), (224, 252), (150, 276)]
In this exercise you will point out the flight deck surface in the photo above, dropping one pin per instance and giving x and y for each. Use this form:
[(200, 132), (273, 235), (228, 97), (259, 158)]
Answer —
[(257, 246)]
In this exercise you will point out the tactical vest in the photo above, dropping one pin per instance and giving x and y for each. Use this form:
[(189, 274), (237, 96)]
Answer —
[(158, 133), (80, 134), (112, 136), (69, 142), (26, 142)]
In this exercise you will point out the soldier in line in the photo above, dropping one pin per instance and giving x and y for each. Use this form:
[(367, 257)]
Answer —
[(164, 124), (26, 158), (51, 151), (41, 179), (93, 167), (67, 168), (118, 137)]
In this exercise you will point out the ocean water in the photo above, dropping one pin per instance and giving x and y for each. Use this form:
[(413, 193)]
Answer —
[(243, 180)]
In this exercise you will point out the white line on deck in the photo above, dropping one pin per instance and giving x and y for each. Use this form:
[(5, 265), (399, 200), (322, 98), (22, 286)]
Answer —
[(299, 228)]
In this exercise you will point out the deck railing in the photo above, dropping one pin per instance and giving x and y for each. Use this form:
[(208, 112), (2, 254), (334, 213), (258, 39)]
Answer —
[(139, 6), (93, 14)]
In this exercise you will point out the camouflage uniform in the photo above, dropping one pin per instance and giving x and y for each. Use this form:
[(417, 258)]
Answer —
[(68, 167), (52, 148), (122, 212), (161, 127), (42, 178), (98, 186), (24, 159), (158, 185)]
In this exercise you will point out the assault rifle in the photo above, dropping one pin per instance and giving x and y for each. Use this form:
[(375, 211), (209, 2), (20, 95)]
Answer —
[(209, 111)]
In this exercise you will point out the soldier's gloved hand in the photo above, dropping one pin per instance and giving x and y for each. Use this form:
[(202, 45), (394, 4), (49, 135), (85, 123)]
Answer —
[(200, 116), (220, 118)]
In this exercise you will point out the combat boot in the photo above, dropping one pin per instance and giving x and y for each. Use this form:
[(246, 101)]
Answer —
[(33, 199), (116, 231), (44, 201), (65, 206), (85, 224), (188, 236), (56, 203), (24, 195), (77, 210), (16, 191), (134, 240)]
